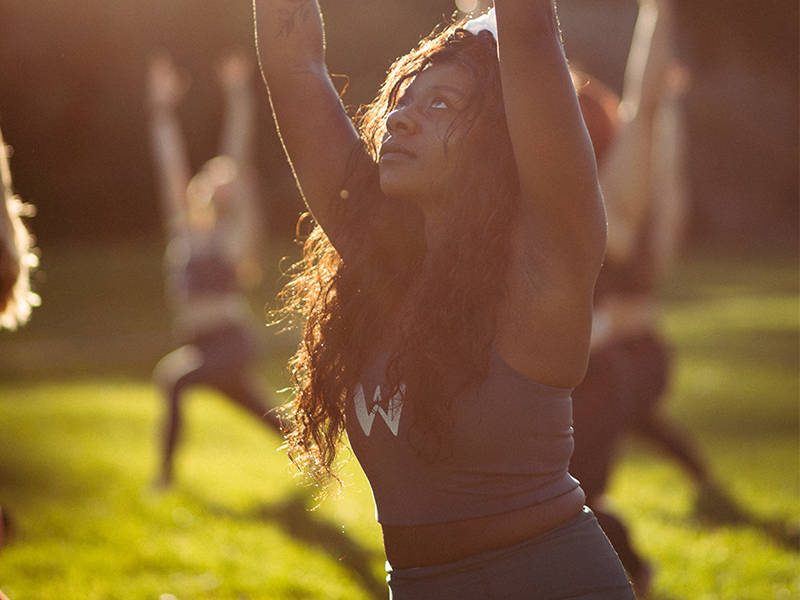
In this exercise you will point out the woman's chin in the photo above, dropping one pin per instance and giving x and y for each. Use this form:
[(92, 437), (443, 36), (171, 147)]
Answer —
[(393, 189)]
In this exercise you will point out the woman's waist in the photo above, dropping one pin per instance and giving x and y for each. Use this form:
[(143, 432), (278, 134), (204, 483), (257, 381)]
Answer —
[(426, 545)]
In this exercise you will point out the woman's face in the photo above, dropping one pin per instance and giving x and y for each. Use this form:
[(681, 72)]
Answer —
[(419, 151)]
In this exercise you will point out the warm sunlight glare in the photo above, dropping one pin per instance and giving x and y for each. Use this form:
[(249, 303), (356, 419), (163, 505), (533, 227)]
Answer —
[(466, 6)]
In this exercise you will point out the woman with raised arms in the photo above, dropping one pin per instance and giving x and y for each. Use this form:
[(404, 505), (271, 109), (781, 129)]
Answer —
[(446, 293)]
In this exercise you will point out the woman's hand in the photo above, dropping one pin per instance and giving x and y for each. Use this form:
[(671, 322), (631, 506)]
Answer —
[(235, 71), (166, 86)]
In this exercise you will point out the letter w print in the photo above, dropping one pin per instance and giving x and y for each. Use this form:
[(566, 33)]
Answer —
[(366, 415)]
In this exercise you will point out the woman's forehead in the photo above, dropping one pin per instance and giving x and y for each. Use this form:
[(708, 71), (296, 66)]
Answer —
[(449, 76)]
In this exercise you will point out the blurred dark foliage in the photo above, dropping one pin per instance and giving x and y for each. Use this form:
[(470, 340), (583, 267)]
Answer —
[(72, 100)]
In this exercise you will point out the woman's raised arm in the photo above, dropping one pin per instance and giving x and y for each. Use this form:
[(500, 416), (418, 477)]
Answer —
[(553, 152), (545, 327), (628, 175), (316, 132), (235, 73), (166, 88)]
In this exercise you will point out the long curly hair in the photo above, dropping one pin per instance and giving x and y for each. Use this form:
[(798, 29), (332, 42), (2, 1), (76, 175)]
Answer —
[(381, 287)]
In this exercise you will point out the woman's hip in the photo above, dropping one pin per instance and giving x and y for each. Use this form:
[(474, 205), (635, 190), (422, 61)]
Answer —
[(574, 560)]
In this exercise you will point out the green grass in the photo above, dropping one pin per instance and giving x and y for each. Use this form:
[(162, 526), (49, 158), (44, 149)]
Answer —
[(80, 423)]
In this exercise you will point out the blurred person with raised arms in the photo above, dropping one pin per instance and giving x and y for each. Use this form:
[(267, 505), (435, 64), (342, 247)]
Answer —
[(446, 294), (212, 224), (639, 143)]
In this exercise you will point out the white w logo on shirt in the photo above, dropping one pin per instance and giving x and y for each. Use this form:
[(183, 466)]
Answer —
[(366, 415)]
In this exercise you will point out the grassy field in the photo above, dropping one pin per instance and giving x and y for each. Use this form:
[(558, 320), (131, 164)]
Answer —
[(78, 449)]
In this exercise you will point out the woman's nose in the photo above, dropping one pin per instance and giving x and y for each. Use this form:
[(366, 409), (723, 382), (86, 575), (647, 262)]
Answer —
[(401, 119)]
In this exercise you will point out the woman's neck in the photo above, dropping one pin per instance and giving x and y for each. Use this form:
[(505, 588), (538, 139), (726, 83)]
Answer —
[(436, 225)]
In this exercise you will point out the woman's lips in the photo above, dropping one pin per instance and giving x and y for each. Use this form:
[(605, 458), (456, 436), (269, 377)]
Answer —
[(395, 151)]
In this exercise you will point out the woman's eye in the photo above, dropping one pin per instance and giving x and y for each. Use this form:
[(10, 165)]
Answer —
[(439, 103)]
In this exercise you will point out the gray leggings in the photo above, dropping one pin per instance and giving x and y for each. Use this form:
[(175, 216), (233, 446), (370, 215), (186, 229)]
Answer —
[(573, 561)]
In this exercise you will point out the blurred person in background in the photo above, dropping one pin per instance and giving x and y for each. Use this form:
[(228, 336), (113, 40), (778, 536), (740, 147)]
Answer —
[(446, 294), (639, 144), (214, 229), (17, 259), (17, 255)]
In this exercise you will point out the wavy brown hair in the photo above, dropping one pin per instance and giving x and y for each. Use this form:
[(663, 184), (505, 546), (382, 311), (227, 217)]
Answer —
[(380, 286)]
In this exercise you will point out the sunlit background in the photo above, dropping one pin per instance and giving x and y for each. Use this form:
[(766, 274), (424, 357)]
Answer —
[(72, 99)]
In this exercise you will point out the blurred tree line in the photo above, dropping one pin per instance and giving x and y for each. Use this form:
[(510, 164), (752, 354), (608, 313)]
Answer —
[(72, 100)]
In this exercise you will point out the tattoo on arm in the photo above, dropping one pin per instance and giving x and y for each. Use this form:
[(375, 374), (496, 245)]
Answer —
[(296, 10)]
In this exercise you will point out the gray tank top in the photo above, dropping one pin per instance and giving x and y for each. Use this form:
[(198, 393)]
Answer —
[(509, 448)]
